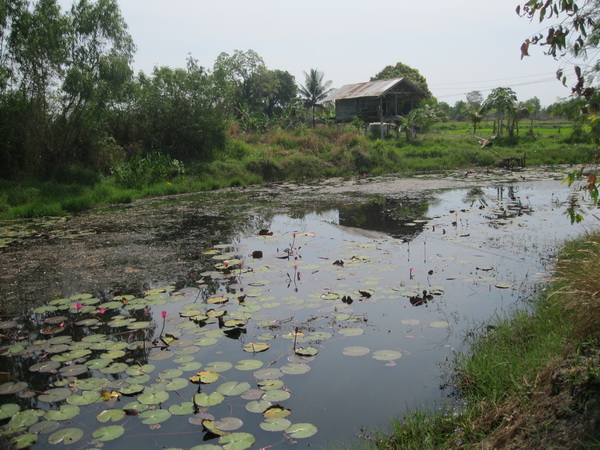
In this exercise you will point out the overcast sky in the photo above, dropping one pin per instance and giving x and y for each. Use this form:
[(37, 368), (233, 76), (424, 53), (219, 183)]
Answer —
[(458, 45)]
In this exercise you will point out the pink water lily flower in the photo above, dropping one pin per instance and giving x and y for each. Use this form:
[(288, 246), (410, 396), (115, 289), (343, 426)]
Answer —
[(164, 314), (78, 306)]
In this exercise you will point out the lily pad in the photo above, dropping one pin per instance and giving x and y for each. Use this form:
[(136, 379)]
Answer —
[(249, 364), (206, 400), (185, 409), (229, 424), (112, 415), (25, 440), (9, 410), (301, 430), (44, 366), (356, 351), (55, 395), (387, 355), (275, 424), (237, 441), (86, 398), (295, 368), (66, 436), (439, 324), (12, 388), (153, 398), (256, 347), (154, 416), (65, 412), (233, 388), (109, 433)]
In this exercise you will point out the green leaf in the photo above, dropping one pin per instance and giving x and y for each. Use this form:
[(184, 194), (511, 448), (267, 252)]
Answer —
[(55, 395), (12, 388), (153, 398), (237, 441), (154, 416), (112, 415), (8, 410), (275, 424), (186, 408), (66, 436), (109, 433), (86, 398), (233, 388), (301, 430), (24, 440), (65, 412), (386, 355), (205, 400)]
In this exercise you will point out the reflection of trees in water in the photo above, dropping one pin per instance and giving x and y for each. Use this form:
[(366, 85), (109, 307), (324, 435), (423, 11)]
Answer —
[(475, 195), (39, 348), (395, 217)]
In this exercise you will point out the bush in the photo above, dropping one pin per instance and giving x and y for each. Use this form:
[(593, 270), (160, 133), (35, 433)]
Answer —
[(141, 171)]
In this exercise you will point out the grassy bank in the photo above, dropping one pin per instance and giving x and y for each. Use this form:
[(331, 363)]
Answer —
[(290, 156), (532, 380)]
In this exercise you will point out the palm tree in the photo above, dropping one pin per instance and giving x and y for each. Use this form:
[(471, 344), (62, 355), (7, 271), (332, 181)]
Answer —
[(314, 90), (504, 101)]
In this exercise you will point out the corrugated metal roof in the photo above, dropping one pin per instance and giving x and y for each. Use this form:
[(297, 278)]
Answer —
[(366, 89)]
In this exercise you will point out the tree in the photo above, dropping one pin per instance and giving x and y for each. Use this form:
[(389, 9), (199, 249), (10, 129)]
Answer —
[(474, 99), (314, 90), (575, 30), (401, 70), (503, 100)]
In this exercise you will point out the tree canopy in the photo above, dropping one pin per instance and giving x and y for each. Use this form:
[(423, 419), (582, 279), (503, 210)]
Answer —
[(401, 70)]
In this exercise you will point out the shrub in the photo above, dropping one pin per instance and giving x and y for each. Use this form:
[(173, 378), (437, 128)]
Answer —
[(141, 171)]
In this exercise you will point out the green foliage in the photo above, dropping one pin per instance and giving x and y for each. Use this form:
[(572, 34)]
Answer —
[(401, 70), (142, 171)]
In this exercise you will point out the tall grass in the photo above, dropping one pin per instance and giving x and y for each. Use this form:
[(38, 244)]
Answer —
[(284, 156)]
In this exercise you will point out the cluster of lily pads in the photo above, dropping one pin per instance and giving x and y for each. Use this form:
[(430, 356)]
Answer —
[(96, 369)]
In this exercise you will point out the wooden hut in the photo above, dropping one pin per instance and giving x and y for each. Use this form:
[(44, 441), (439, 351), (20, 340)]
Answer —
[(375, 101)]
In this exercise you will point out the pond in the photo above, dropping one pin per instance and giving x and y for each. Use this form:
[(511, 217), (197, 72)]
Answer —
[(298, 324)]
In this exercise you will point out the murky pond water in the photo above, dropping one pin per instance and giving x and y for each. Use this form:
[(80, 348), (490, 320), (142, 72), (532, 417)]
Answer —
[(299, 324)]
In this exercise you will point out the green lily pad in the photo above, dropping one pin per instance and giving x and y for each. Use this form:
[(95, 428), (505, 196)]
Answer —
[(176, 384), (66, 436), (256, 347), (73, 370), (237, 441), (270, 385), (153, 398), (218, 366), (114, 368), (206, 400), (170, 373), (55, 395), (44, 366), (44, 427), (307, 351), (276, 395), (12, 388), (439, 324), (65, 412), (258, 406), (386, 355), (9, 410), (233, 388), (140, 370), (355, 351), (268, 373), (23, 419), (249, 364), (24, 440), (190, 366), (132, 389), (109, 433), (112, 415), (154, 416), (86, 398), (275, 424), (301, 430), (351, 332), (186, 408), (295, 368)]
